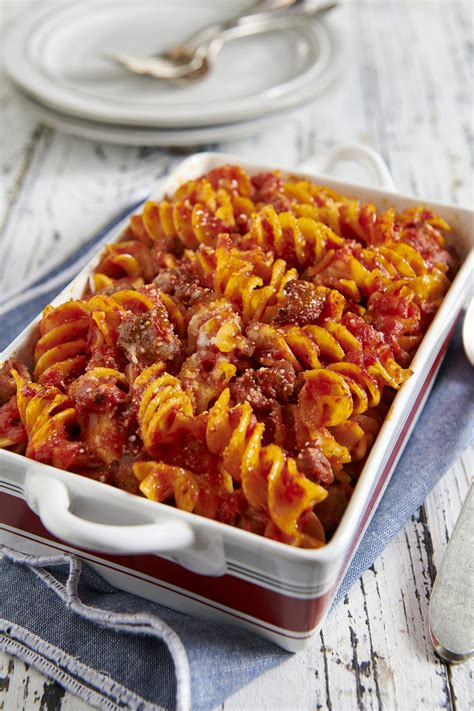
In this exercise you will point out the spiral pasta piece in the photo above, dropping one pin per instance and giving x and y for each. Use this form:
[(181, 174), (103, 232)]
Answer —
[(125, 260), (106, 315), (107, 312), (163, 410), (323, 438), (290, 494), (61, 352), (190, 224), (358, 433), (215, 325), (12, 432), (346, 217), (267, 475), (46, 414), (290, 343), (333, 394), (98, 396), (298, 240), (204, 376), (224, 190), (130, 263), (160, 481), (234, 277), (395, 313), (350, 340)]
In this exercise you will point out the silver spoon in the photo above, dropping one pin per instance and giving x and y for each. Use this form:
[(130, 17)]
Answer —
[(468, 331), (452, 603), (193, 58), (451, 613)]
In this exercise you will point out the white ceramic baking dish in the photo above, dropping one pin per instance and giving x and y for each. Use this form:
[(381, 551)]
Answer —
[(197, 565)]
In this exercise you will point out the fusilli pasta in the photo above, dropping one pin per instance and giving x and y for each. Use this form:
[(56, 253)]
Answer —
[(236, 353)]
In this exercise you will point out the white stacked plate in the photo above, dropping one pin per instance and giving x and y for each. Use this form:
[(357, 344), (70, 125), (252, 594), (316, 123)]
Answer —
[(56, 58)]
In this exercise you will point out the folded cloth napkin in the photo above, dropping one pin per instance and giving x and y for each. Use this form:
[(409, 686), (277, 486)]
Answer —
[(116, 650)]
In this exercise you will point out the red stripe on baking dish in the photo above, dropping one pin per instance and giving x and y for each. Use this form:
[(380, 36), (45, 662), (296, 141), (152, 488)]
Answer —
[(289, 613), (268, 606)]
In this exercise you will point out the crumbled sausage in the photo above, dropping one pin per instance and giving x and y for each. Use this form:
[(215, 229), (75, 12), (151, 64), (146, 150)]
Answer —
[(191, 293), (262, 387), (118, 473), (275, 431), (269, 189), (303, 304), (123, 476), (167, 281), (330, 510), (246, 388), (373, 342), (148, 338), (230, 507), (11, 426), (312, 462), (182, 284), (192, 454), (96, 394), (277, 381)]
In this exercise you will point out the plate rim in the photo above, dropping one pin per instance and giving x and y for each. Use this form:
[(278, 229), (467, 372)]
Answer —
[(19, 36)]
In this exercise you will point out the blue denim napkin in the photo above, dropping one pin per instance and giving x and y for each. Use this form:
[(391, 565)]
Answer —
[(116, 650)]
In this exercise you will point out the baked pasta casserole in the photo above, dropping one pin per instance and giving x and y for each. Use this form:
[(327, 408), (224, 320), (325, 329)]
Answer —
[(236, 352)]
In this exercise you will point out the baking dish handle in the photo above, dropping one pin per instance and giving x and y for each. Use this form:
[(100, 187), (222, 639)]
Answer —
[(357, 153), (49, 498)]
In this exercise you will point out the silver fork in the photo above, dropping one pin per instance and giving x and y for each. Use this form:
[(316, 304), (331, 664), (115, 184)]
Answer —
[(193, 58)]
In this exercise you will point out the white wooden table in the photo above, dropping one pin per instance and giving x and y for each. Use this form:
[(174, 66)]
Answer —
[(407, 94)]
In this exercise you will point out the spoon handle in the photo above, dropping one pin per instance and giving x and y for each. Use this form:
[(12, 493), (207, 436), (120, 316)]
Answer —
[(468, 331), (258, 12), (207, 34), (452, 602)]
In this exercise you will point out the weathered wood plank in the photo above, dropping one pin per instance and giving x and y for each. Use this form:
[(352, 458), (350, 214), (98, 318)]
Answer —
[(19, 131), (406, 92), (23, 688), (73, 187)]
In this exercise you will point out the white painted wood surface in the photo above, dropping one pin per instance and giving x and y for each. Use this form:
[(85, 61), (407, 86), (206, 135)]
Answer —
[(407, 93)]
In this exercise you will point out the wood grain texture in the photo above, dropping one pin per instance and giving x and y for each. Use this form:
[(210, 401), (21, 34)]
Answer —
[(407, 92)]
